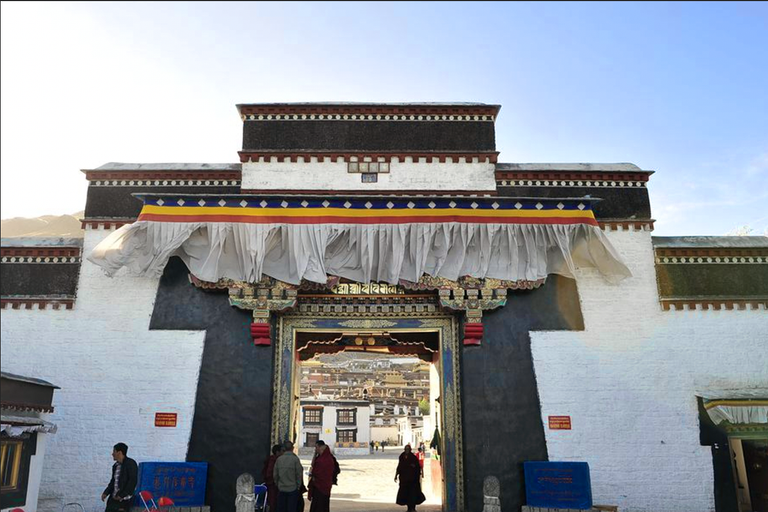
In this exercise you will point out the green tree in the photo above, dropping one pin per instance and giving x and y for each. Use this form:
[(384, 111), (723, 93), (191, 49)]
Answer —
[(424, 406)]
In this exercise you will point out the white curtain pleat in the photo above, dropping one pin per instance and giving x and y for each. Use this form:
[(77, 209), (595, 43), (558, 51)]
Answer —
[(362, 253)]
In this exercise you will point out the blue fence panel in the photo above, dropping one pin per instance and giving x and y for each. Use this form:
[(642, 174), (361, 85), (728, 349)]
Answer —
[(183, 482)]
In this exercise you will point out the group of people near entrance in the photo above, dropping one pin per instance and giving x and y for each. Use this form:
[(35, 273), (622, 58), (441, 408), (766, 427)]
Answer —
[(283, 475)]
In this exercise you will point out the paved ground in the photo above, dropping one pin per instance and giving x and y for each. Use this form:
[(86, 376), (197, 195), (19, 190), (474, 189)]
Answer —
[(366, 484)]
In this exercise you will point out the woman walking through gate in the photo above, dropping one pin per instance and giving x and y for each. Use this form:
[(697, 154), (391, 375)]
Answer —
[(322, 475), (410, 480)]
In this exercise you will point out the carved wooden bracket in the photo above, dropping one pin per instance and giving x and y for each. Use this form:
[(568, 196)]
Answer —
[(263, 298), (469, 295), (473, 296)]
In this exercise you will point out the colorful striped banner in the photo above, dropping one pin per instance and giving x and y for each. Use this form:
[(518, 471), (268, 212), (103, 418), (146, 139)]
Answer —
[(365, 210)]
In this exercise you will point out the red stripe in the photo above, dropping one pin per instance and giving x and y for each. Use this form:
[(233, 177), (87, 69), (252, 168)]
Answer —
[(247, 219)]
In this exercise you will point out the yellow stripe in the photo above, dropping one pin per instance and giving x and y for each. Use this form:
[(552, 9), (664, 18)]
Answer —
[(343, 212), (716, 403)]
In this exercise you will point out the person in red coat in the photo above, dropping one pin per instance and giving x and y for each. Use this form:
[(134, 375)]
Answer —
[(409, 472), (269, 479), (321, 477)]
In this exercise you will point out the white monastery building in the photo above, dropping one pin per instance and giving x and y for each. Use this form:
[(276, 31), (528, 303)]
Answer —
[(559, 328)]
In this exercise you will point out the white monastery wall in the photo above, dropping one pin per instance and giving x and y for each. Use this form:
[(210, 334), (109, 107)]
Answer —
[(36, 465), (629, 383), (406, 175), (114, 375), (329, 423), (384, 432)]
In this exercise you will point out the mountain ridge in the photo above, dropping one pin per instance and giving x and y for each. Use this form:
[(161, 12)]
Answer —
[(67, 226)]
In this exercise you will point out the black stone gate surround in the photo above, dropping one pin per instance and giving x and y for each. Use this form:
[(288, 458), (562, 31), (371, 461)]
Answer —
[(501, 411), (232, 421)]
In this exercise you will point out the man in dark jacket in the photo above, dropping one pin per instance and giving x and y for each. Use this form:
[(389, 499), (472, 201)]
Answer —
[(119, 492)]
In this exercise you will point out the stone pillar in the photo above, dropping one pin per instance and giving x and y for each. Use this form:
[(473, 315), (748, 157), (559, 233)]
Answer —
[(491, 491), (245, 500)]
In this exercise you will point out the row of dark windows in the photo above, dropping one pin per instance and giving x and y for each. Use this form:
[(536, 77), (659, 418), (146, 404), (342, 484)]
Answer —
[(314, 416), (342, 436)]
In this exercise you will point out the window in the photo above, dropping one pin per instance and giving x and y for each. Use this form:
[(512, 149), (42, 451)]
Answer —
[(313, 416), (346, 436), (15, 455), (10, 462), (346, 417), (311, 439)]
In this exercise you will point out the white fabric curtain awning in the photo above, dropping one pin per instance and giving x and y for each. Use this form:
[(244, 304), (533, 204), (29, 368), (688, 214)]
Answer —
[(745, 413), (361, 239), (737, 407)]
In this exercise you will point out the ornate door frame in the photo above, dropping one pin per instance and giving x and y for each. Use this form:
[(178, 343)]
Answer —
[(284, 404)]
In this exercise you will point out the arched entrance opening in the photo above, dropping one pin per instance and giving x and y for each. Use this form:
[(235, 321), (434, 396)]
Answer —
[(432, 337), (367, 395)]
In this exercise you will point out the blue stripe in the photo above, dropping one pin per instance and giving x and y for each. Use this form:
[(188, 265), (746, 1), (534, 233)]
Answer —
[(376, 203)]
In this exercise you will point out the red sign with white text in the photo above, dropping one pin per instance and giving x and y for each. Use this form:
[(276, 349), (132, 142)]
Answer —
[(559, 423), (165, 419)]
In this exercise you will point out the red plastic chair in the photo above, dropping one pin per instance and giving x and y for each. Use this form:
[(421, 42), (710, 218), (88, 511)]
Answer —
[(146, 498), (165, 501)]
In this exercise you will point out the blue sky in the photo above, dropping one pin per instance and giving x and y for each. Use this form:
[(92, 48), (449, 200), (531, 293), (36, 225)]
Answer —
[(678, 88)]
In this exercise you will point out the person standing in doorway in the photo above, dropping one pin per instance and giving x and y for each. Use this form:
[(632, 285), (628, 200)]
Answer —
[(321, 478), (408, 470), (119, 492), (288, 475), (269, 480)]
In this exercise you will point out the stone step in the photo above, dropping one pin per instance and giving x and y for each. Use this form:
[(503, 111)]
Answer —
[(202, 508), (596, 508)]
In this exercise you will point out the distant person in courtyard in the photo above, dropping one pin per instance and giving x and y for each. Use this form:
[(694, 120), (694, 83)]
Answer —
[(376, 446), (288, 475), (268, 474), (371, 443), (322, 476), (409, 472), (119, 492), (383, 444), (420, 455)]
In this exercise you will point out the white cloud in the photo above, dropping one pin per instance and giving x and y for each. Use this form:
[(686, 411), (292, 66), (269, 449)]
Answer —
[(758, 166)]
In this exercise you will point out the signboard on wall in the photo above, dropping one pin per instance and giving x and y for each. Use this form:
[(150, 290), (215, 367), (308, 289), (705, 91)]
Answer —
[(183, 482), (560, 485), (559, 423), (165, 419)]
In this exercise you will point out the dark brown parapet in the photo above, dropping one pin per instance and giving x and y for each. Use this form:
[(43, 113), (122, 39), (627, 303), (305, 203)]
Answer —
[(362, 127), (708, 272), (39, 272), (110, 187), (621, 186)]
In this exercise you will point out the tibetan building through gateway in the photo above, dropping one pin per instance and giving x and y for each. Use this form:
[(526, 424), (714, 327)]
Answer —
[(536, 290)]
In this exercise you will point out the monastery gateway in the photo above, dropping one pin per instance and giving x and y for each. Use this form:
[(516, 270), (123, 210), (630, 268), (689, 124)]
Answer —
[(561, 329)]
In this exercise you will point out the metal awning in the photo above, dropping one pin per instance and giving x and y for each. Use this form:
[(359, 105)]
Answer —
[(16, 426)]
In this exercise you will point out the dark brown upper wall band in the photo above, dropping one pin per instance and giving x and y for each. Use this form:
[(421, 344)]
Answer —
[(369, 135)]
